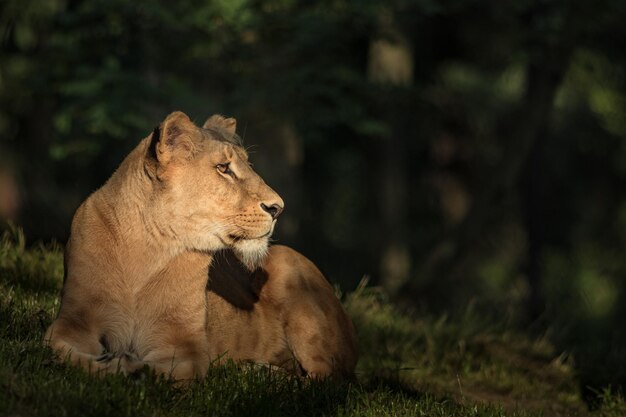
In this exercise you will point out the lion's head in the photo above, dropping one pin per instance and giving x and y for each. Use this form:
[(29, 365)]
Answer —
[(205, 190)]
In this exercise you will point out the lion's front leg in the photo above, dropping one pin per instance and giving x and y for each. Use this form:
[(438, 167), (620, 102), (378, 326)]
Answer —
[(83, 348)]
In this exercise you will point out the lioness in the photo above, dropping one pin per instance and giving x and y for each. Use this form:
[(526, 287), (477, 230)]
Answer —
[(137, 289)]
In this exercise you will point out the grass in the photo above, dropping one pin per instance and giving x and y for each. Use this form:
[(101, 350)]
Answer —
[(409, 366)]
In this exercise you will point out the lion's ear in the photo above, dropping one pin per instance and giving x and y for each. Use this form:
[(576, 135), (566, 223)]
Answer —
[(175, 141), (229, 124)]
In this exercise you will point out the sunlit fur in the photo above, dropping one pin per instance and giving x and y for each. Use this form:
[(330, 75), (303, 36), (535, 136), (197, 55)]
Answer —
[(140, 247), (251, 253)]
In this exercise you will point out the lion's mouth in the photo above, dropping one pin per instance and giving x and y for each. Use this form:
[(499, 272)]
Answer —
[(237, 238)]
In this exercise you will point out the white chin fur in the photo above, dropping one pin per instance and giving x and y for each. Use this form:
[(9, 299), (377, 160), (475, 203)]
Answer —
[(251, 253)]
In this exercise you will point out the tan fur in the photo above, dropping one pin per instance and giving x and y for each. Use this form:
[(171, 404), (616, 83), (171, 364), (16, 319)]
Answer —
[(285, 313), (138, 257)]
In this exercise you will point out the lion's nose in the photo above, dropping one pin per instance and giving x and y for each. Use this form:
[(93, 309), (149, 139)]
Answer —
[(274, 210)]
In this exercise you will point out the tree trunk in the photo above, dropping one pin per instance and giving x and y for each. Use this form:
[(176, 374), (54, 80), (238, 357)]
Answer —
[(390, 68), (543, 78), (534, 195)]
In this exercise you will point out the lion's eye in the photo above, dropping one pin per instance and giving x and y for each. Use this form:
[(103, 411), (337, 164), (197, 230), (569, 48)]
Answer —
[(224, 169)]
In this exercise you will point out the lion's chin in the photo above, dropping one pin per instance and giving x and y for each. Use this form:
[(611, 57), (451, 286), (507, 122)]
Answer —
[(251, 252)]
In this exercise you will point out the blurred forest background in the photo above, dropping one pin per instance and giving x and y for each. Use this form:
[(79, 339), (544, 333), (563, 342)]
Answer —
[(463, 154)]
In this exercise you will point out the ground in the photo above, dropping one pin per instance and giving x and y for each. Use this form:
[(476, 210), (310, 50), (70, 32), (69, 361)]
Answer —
[(410, 365)]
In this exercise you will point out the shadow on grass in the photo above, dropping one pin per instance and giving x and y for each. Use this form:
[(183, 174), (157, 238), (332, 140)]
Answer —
[(264, 391)]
